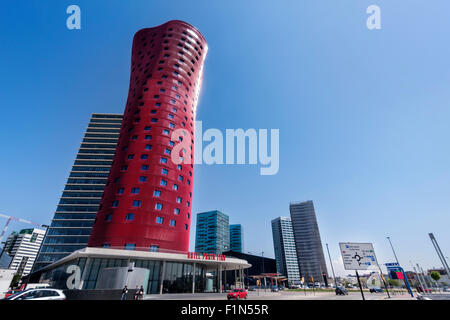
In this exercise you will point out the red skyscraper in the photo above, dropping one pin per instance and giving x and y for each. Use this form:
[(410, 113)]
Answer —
[(148, 198)]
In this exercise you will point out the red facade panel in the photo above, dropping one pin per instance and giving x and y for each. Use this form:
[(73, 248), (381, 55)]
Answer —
[(166, 73)]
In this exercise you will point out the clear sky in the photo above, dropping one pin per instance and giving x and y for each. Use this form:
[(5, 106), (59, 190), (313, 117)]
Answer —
[(363, 115)]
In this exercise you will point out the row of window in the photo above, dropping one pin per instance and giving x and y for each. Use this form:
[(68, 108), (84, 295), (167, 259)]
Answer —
[(130, 217), (158, 206)]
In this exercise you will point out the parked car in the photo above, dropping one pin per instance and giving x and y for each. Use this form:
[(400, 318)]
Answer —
[(375, 290), (421, 290), (341, 291), (252, 288), (237, 294), (11, 292), (38, 294), (275, 289)]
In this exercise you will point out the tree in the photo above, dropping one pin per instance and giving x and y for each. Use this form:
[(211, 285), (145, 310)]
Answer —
[(435, 275), (15, 280), (394, 283)]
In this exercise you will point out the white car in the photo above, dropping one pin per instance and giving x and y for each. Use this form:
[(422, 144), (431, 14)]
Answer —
[(39, 294)]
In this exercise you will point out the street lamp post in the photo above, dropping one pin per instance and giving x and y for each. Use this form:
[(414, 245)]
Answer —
[(332, 269), (396, 259)]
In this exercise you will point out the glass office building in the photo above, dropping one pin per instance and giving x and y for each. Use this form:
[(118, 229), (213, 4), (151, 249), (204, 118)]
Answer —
[(72, 223), (311, 260), (284, 247), (212, 233), (236, 238)]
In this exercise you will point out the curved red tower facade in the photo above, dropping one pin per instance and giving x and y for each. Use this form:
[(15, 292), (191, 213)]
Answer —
[(148, 198)]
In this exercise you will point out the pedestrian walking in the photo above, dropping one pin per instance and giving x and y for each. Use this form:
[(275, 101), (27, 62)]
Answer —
[(136, 293), (124, 293), (141, 293)]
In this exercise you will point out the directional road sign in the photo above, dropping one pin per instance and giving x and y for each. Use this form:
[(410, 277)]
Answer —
[(358, 256)]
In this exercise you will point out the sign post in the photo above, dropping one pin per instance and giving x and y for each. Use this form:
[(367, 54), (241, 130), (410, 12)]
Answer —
[(397, 272), (358, 256)]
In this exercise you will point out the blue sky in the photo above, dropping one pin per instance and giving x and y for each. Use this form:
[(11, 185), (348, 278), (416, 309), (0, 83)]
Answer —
[(363, 115)]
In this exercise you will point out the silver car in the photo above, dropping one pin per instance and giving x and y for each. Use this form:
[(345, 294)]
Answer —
[(38, 294)]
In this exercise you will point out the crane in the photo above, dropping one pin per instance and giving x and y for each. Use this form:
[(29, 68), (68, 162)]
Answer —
[(10, 218)]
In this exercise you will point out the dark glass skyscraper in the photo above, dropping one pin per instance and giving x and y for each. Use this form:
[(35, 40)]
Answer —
[(72, 223), (311, 260), (213, 232), (236, 238)]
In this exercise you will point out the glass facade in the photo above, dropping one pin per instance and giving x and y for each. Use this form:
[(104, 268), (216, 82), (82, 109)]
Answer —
[(75, 214), (212, 233), (178, 276), (236, 238)]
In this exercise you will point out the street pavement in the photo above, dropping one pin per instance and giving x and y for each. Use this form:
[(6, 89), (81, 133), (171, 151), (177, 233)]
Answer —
[(284, 295)]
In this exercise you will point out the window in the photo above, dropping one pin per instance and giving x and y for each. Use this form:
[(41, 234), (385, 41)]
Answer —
[(173, 223), (180, 178), (148, 127), (135, 190), (179, 200), (148, 147), (144, 156), (153, 111), (115, 203), (157, 193), (175, 187), (136, 203), (164, 171), (163, 160), (185, 227), (130, 156), (176, 211), (171, 116), (120, 191), (106, 245), (166, 132), (188, 203), (154, 120), (130, 246), (179, 167), (172, 101), (154, 248), (172, 125), (171, 143), (129, 217), (163, 182), (167, 151), (124, 168), (147, 137), (116, 179), (158, 206), (108, 217), (144, 167), (159, 220), (142, 179)]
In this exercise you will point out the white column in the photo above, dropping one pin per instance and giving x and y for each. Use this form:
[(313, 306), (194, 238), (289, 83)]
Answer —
[(193, 279), (163, 274)]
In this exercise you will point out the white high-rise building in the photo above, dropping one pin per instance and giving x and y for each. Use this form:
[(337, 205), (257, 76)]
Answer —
[(23, 248), (285, 251)]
